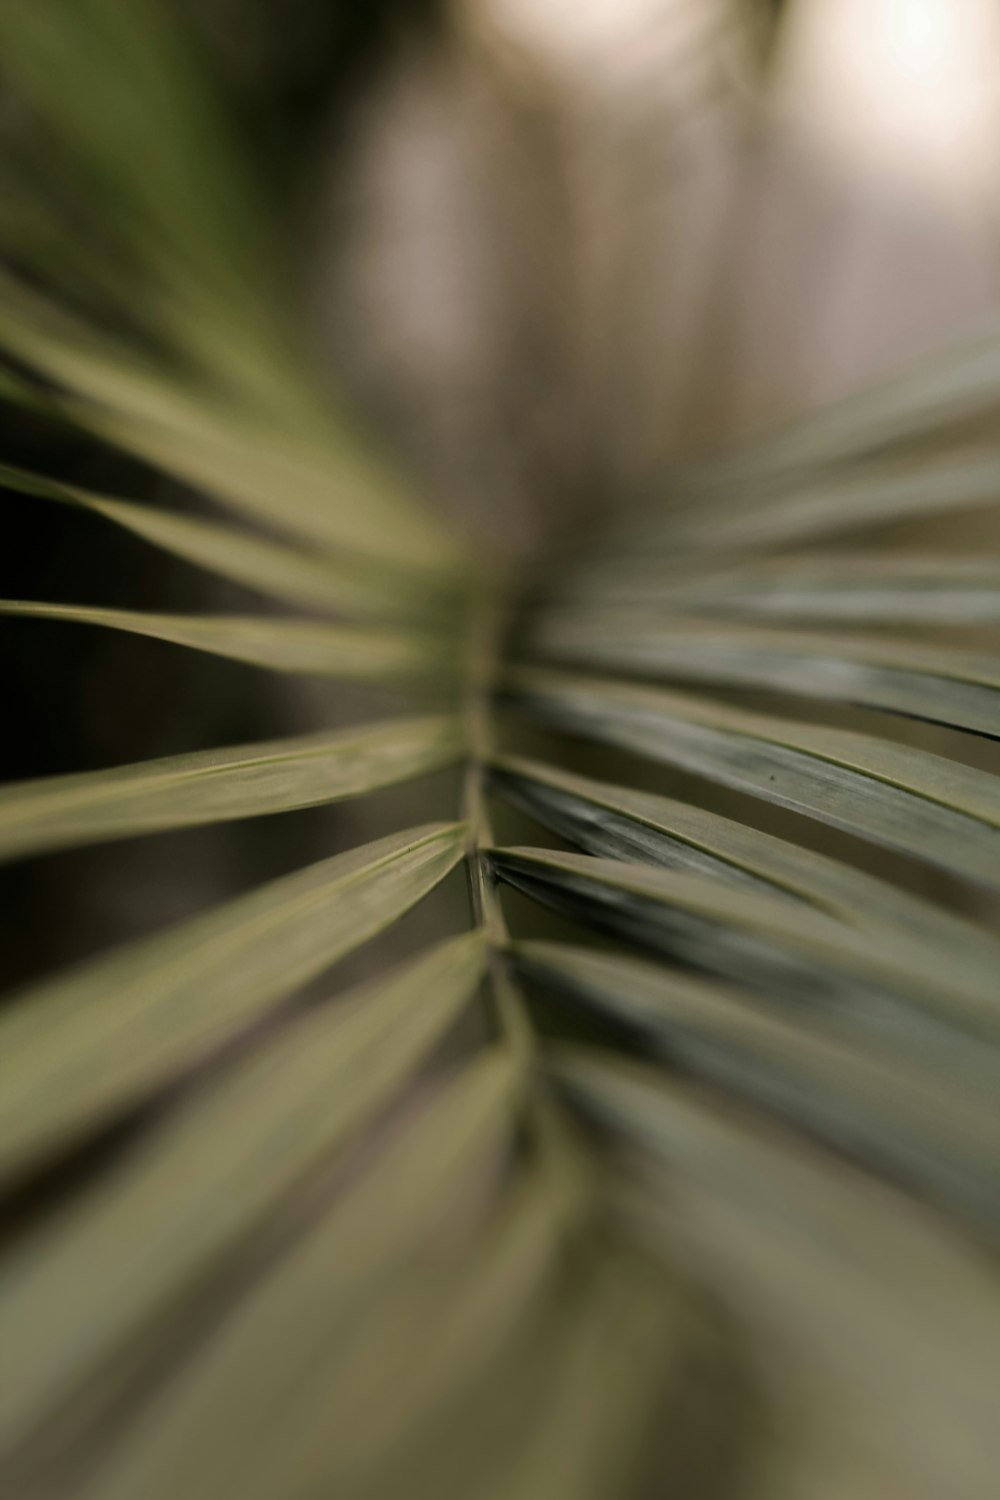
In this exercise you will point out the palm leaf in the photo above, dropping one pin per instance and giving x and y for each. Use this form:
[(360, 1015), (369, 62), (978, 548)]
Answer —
[(924, 805), (868, 587), (305, 484), (306, 1308), (621, 823), (216, 1169), (418, 1240), (902, 1121), (957, 688), (824, 506), (312, 647), (212, 786), (797, 957), (79, 1048), (774, 1220), (299, 577)]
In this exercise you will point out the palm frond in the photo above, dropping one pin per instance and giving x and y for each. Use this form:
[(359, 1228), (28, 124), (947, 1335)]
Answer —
[(818, 503), (80, 1047), (872, 588), (212, 786), (794, 957), (312, 647), (621, 823), (909, 1122), (305, 1313), (218, 1170), (944, 686), (932, 808), (292, 575), (418, 1239)]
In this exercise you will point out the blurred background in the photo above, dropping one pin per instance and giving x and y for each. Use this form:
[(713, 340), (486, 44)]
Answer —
[(548, 247)]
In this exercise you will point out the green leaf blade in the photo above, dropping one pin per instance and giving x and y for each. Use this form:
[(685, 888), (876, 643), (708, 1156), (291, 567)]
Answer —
[(305, 647), (617, 822), (254, 1414), (956, 688), (796, 957), (923, 805), (859, 588), (910, 1123), (213, 786), (81, 1047), (315, 580), (813, 507), (73, 1296)]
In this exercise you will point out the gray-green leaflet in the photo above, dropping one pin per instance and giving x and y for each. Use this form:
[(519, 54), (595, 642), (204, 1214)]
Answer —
[(663, 1157)]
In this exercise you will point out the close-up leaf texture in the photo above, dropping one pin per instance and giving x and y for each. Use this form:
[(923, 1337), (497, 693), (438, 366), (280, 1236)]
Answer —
[(533, 1032)]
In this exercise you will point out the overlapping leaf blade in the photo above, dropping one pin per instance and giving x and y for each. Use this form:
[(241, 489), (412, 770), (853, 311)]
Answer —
[(220, 1164), (921, 804), (314, 487), (620, 823), (909, 1122), (213, 786), (319, 486), (322, 581), (864, 588), (792, 955), (230, 403), (239, 1421), (310, 647), (822, 505), (83, 1046), (849, 1283), (958, 688)]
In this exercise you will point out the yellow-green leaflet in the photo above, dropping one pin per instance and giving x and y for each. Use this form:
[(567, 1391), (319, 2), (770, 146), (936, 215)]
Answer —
[(311, 647), (611, 1352), (394, 1391), (219, 1430), (318, 579), (211, 786), (321, 487), (196, 242), (78, 1048), (221, 1162)]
